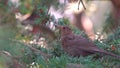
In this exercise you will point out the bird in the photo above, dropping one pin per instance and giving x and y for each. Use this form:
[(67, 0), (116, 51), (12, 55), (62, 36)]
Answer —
[(76, 45)]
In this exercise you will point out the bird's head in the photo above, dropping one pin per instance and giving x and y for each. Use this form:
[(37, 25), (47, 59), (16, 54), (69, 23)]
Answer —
[(65, 30)]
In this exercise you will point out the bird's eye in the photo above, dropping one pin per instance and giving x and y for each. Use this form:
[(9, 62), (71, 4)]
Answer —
[(63, 27)]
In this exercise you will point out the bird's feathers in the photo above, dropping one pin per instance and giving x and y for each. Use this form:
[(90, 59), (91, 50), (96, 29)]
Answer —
[(76, 45)]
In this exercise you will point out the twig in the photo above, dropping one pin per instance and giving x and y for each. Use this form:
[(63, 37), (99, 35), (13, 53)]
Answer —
[(82, 4), (46, 56)]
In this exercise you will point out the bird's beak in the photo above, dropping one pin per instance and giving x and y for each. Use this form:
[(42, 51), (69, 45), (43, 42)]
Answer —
[(58, 26)]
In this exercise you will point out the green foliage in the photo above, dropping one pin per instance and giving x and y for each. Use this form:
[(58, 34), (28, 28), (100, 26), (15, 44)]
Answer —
[(111, 24), (26, 6), (6, 36), (61, 61), (115, 36), (42, 11), (62, 21)]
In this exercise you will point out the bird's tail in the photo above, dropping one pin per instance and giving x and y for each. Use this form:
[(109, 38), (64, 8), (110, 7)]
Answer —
[(109, 53)]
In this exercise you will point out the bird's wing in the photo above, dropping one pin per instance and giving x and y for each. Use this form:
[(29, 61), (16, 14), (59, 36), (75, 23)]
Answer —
[(78, 44), (82, 43)]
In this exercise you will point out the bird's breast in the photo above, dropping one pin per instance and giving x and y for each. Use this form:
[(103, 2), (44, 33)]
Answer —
[(67, 40)]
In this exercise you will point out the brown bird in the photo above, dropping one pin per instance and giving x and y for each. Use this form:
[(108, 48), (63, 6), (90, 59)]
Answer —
[(76, 45)]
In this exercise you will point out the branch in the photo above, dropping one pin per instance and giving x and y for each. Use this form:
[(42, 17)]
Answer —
[(46, 56), (82, 4)]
